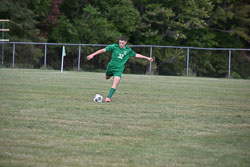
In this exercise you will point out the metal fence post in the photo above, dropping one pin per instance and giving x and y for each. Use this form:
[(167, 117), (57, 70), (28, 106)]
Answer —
[(229, 64), (79, 57), (13, 58), (187, 61), (45, 56), (2, 43), (2, 40), (150, 64)]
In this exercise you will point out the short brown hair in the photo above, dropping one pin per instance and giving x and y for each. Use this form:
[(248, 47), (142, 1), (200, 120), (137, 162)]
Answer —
[(122, 38)]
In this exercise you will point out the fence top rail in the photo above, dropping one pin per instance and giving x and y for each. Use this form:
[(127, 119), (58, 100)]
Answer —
[(3, 20), (146, 46)]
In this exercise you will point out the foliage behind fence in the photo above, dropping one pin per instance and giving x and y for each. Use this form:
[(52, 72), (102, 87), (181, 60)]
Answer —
[(169, 60)]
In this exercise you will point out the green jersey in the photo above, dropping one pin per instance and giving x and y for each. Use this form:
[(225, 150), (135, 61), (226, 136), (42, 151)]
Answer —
[(119, 57)]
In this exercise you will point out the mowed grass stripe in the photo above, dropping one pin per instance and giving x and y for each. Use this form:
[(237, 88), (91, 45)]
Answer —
[(49, 119)]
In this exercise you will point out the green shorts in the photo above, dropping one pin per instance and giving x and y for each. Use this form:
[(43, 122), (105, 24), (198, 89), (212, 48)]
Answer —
[(111, 73)]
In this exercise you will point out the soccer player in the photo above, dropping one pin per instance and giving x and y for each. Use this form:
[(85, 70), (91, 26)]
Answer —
[(120, 55)]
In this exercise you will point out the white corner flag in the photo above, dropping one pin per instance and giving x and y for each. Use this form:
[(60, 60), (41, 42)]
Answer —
[(63, 54)]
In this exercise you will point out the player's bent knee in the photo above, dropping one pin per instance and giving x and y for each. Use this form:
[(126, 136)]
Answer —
[(116, 81), (117, 78)]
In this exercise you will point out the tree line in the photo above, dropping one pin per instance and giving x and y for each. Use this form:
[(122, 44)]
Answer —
[(196, 23)]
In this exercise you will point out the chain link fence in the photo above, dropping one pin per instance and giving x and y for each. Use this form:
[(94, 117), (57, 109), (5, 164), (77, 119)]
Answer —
[(169, 60)]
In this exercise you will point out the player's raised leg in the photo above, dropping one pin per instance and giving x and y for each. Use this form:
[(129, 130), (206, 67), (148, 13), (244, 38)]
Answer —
[(107, 77)]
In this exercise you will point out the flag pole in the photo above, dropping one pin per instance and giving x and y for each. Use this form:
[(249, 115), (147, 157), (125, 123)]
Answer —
[(63, 54)]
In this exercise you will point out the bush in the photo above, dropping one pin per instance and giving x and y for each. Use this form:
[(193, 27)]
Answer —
[(235, 75)]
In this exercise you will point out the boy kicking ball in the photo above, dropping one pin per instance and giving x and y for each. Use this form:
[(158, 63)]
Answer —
[(120, 55)]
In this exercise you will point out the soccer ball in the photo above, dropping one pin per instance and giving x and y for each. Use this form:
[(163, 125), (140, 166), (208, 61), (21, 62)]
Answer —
[(97, 98)]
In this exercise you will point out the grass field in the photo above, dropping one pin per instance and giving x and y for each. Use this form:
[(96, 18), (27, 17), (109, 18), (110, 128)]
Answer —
[(49, 119)]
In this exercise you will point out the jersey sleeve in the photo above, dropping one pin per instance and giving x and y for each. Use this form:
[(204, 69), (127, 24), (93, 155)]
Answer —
[(132, 53), (110, 48)]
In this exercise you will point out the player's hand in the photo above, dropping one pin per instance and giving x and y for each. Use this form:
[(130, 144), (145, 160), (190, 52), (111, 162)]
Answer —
[(150, 59), (90, 57)]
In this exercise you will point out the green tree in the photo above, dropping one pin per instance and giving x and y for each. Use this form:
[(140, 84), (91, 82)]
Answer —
[(87, 26), (228, 27), (173, 22), (168, 20), (40, 8), (23, 27), (200, 23), (63, 31), (231, 18), (124, 17)]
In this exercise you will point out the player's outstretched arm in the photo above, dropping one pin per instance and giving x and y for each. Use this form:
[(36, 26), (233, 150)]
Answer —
[(143, 57), (91, 56)]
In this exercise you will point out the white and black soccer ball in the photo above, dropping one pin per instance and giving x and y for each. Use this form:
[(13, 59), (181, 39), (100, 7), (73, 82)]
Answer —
[(97, 98)]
